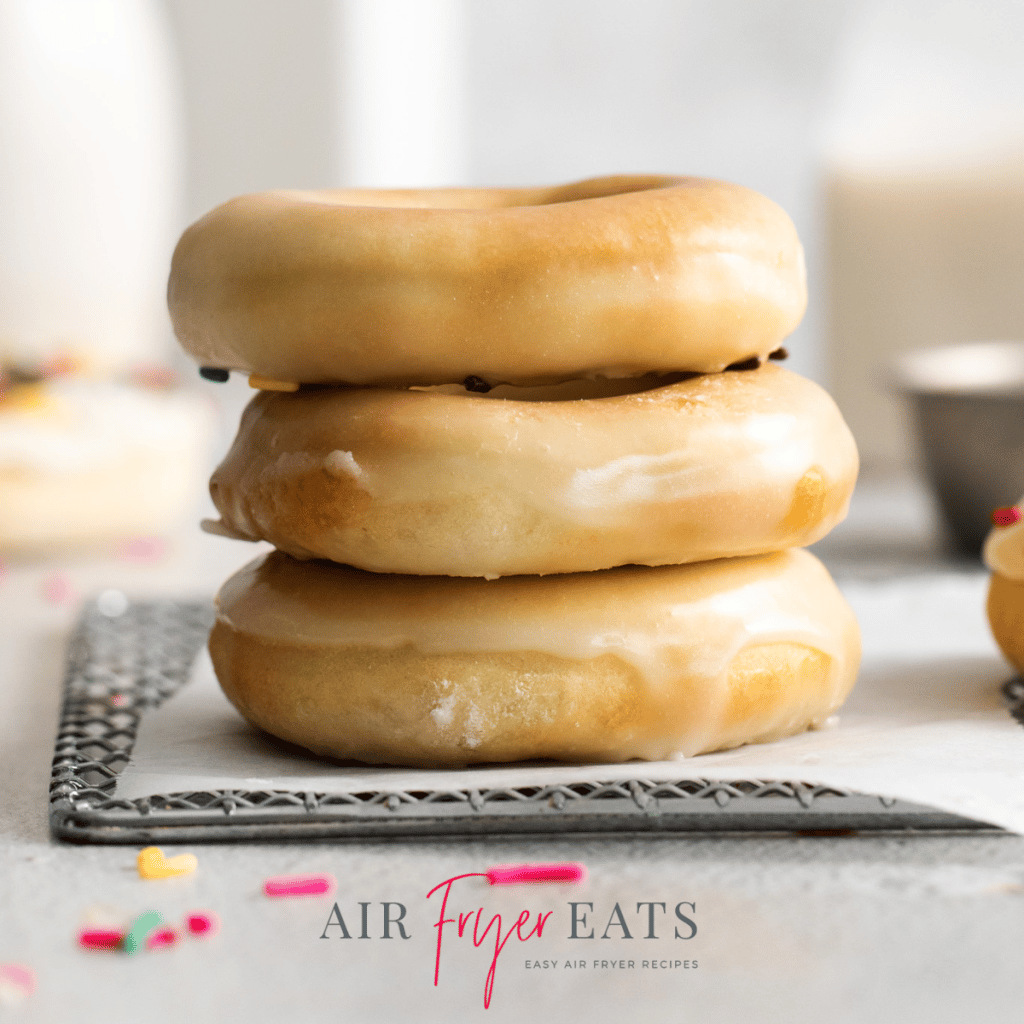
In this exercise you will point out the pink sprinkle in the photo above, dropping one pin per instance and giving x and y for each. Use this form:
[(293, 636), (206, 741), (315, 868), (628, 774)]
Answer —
[(19, 978), (161, 938), (119, 700), (1006, 516), (202, 924), (59, 366), (299, 885), (143, 549), (157, 377), (512, 874), (57, 588), (100, 938)]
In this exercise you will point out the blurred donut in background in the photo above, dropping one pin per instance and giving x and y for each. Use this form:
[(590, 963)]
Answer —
[(91, 448), (86, 462)]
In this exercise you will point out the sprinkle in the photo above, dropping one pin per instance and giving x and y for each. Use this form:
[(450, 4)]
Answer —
[(143, 549), (299, 885), (202, 924), (112, 603), (269, 384), (780, 353), (140, 930), (1006, 516), (60, 366), (162, 938), (100, 938), (474, 383), (119, 700), (57, 588), (153, 864), (512, 874), (156, 378), (214, 373), (16, 983), (745, 364)]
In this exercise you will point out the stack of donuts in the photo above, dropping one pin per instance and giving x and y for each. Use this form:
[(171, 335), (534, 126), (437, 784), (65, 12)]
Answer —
[(535, 477)]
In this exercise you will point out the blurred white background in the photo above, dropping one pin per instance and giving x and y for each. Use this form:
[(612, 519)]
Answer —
[(891, 132), (430, 92)]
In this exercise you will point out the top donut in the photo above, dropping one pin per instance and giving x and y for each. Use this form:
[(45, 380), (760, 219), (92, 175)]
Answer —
[(610, 277)]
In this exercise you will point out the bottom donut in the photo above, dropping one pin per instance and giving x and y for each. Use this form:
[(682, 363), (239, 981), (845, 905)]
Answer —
[(635, 662)]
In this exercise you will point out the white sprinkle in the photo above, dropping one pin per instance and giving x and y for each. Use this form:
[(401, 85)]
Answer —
[(443, 711)]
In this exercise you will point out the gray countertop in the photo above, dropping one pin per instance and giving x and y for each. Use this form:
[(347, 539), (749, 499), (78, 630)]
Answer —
[(788, 928)]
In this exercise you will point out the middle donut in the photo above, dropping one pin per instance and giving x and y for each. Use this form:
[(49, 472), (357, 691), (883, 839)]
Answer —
[(567, 478)]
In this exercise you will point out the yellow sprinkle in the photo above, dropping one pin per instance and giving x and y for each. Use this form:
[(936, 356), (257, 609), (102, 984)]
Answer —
[(267, 384), (24, 398), (153, 864)]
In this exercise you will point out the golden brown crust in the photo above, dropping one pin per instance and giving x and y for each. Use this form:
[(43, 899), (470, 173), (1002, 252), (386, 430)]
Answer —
[(609, 277), (1005, 607), (628, 663), (471, 485)]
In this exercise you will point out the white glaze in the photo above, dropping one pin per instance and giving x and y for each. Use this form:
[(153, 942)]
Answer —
[(668, 623), (494, 485)]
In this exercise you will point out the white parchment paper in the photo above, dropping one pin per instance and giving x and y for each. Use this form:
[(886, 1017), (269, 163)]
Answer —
[(926, 723)]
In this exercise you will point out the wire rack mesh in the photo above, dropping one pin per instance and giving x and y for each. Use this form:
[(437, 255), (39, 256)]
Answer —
[(121, 667)]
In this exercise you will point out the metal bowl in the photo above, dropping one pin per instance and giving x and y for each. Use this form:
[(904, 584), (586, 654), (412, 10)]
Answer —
[(968, 403)]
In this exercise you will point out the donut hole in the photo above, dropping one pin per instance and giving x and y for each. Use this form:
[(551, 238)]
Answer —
[(468, 199)]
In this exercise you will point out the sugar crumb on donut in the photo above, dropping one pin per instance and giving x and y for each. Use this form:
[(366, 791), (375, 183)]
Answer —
[(341, 463)]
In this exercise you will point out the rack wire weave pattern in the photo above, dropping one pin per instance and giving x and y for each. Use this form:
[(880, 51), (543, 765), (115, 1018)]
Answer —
[(120, 668)]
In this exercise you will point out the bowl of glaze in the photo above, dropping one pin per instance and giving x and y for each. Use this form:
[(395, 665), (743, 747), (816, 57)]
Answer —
[(968, 406)]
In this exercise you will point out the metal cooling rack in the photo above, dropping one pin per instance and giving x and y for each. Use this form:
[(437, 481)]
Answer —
[(120, 667)]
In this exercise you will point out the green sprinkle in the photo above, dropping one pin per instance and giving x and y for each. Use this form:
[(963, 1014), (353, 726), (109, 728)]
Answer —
[(141, 927)]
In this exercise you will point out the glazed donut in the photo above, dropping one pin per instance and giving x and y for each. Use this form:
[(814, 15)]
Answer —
[(650, 663), (442, 482), (611, 277), (1004, 555)]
